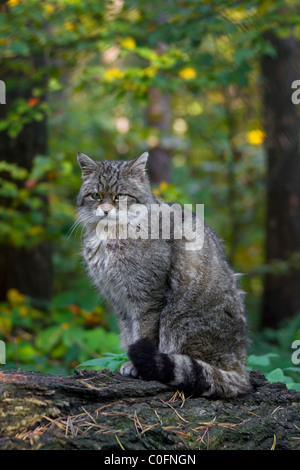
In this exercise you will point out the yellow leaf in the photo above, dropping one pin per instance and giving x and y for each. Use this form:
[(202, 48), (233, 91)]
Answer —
[(13, 3), (239, 14), (23, 310), (163, 185), (14, 297), (128, 43), (149, 71), (187, 73), (264, 6), (5, 325), (35, 230), (130, 86), (23, 194), (69, 25), (113, 74), (256, 137), (48, 7)]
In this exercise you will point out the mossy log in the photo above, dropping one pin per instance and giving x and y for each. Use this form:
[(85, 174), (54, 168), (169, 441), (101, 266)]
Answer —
[(103, 410)]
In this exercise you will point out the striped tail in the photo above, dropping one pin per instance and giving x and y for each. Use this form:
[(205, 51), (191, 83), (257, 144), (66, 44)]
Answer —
[(192, 376)]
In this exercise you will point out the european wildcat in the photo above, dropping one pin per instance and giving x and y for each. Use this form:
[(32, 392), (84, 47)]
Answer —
[(181, 313)]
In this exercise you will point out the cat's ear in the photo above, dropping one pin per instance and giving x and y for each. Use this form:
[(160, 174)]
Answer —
[(138, 164), (86, 164)]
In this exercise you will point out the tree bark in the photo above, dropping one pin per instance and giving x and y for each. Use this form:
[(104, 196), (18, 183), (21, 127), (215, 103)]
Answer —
[(28, 269), (159, 117), (103, 410), (281, 287)]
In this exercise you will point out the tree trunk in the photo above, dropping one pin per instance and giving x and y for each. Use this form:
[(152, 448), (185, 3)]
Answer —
[(282, 286), (158, 116), (28, 269), (103, 410)]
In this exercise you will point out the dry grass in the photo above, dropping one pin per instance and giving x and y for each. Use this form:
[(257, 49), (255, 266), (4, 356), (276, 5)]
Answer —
[(96, 421)]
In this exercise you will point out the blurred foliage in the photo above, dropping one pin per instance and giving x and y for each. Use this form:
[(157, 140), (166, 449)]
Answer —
[(73, 328), (271, 352), (101, 60)]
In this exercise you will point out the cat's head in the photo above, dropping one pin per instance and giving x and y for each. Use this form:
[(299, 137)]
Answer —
[(109, 183)]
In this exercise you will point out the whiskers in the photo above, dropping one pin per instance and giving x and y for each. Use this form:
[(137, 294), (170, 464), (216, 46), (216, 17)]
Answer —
[(80, 222), (127, 225)]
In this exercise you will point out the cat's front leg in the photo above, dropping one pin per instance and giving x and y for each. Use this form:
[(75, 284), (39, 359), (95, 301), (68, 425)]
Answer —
[(145, 324), (126, 333), (138, 327)]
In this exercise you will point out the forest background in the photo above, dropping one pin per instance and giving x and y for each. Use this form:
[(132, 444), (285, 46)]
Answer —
[(210, 89)]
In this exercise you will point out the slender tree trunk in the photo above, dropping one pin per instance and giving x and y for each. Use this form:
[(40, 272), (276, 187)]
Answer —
[(28, 269), (230, 163), (281, 289), (158, 116)]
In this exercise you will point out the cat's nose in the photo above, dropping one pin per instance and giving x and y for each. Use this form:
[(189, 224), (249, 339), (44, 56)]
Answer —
[(107, 208)]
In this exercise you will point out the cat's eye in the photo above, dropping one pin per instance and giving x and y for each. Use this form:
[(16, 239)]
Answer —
[(120, 197), (96, 196)]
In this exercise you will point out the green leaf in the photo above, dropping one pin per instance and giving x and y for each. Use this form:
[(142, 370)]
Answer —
[(276, 375), (111, 361), (73, 336), (260, 361), (87, 299), (292, 369), (48, 338), (9, 189), (19, 48), (100, 340), (99, 363), (63, 299), (41, 166), (26, 352), (293, 386)]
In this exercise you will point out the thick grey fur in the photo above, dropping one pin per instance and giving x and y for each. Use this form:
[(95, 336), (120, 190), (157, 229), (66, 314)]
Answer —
[(187, 303)]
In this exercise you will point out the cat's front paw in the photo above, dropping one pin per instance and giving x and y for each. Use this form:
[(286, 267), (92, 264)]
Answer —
[(128, 369)]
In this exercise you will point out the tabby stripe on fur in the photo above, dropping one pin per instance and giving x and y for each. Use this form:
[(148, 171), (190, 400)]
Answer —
[(192, 376)]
